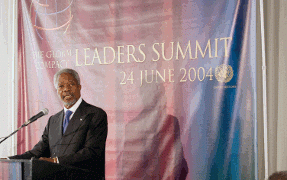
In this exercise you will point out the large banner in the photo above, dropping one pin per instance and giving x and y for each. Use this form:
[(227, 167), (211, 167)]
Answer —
[(176, 78)]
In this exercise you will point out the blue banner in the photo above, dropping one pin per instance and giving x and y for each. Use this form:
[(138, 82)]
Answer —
[(177, 79)]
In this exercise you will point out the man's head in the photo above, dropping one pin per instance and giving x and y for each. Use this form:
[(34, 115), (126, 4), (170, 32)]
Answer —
[(281, 175), (67, 83)]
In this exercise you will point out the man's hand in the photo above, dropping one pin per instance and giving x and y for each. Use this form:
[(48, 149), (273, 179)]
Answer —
[(53, 160)]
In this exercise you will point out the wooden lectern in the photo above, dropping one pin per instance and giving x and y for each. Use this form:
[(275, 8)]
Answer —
[(37, 170)]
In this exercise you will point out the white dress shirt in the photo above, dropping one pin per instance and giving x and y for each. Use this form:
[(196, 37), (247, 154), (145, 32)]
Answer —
[(74, 107)]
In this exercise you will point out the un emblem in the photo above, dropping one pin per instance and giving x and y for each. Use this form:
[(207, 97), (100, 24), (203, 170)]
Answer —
[(223, 73)]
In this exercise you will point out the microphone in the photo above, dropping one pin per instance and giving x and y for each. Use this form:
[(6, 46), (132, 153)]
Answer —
[(37, 116), (32, 119)]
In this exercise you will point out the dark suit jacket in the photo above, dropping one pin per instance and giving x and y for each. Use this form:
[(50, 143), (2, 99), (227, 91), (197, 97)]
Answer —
[(82, 145)]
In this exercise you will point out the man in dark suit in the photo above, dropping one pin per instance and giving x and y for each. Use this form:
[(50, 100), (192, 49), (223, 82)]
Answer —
[(75, 136)]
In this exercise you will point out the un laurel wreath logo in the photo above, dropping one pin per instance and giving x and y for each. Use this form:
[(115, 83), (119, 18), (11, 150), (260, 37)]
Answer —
[(223, 73)]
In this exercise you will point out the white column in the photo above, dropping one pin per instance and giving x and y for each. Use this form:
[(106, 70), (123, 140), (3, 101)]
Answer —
[(282, 90), (8, 22)]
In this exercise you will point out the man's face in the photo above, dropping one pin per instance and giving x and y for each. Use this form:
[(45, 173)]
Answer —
[(68, 89)]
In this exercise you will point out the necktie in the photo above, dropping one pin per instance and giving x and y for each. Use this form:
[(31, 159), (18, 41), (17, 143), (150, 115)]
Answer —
[(66, 120)]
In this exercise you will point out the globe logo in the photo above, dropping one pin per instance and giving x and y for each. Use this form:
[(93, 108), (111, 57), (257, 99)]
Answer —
[(223, 73), (50, 17)]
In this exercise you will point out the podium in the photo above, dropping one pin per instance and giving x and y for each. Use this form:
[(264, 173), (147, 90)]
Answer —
[(38, 169)]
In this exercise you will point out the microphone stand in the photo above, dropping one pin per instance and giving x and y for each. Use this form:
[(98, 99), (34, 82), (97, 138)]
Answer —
[(13, 132), (32, 119)]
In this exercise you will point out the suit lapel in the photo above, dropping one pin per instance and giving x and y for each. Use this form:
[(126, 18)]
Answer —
[(59, 128), (55, 134), (75, 122)]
